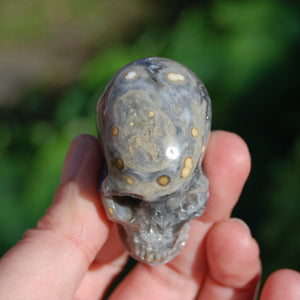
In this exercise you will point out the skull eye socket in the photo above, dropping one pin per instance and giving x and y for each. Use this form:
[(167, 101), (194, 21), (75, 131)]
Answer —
[(127, 203)]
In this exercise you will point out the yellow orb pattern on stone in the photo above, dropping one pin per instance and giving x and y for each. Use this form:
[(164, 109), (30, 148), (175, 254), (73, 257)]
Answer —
[(115, 131), (111, 210), (188, 166), (163, 180), (195, 132), (129, 180), (150, 114), (119, 163), (175, 77)]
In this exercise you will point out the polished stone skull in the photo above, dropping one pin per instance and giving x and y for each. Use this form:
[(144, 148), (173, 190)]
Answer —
[(153, 122)]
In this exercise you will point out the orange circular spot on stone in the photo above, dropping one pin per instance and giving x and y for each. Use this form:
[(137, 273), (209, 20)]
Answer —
[(185, 172), (163, 180), (115, 131), (195, 132), (119, 163), (111, 210), (188, 166), (150, 114), (129, 180), (188, 162), (175, 77)]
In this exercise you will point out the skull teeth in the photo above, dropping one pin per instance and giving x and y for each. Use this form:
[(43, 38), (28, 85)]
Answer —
[(147, 253), (143, 253), (150, 256), (155, 257)]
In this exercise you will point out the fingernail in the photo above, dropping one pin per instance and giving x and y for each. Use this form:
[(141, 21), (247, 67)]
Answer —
[(75, 156)]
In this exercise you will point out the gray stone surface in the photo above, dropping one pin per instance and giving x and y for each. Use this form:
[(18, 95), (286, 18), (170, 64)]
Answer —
[(154, 121)]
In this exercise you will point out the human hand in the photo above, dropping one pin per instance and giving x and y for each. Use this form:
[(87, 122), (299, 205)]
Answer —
[(75, 253)]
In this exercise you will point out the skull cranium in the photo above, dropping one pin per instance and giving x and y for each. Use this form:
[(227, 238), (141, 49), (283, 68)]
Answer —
[(153, 122)]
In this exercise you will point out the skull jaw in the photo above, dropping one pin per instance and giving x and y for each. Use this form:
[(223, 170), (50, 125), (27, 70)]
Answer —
[(155, 250)]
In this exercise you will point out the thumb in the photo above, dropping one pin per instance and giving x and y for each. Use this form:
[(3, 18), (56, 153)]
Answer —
[(51, 259)]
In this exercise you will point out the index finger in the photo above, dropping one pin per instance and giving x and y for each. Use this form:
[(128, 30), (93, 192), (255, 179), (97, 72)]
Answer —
[(227, 164)]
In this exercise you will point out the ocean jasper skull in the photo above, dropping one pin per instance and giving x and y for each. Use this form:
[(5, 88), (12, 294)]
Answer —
[(153, 122)]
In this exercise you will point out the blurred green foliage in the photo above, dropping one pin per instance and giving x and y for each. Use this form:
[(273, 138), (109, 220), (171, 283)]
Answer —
[(246, 52)]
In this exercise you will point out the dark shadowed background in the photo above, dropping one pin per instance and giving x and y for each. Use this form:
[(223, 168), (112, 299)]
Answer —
[(56, 56)]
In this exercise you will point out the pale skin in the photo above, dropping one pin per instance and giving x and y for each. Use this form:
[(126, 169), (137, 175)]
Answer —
[(75, 253)]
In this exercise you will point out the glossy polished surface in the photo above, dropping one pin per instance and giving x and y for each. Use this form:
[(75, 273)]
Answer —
[(154, 121)]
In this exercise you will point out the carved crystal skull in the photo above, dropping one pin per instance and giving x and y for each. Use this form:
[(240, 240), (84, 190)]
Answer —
[(153, 121)]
